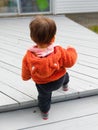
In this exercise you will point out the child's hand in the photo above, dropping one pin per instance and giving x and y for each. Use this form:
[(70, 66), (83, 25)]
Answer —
[(69, 47)]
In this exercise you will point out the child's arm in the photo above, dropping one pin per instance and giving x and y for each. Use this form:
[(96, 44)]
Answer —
[(70, 56), (26, 75)]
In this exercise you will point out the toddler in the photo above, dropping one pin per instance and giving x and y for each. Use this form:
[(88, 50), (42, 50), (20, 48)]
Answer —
[(46, 63)]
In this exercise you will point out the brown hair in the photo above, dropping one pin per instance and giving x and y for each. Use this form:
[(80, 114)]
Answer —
[(42, 30)]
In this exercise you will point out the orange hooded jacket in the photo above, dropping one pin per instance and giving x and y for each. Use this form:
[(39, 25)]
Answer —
[(49, 68)]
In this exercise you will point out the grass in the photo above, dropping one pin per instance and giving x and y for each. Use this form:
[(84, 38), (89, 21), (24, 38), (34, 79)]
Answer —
[(94, 28)]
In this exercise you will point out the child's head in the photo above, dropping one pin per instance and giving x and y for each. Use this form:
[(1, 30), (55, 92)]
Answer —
[(42, 30)]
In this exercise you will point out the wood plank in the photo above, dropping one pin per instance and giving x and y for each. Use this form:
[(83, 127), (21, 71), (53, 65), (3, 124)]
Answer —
[(15, 81), (83, 36), (7, 102), (14, 94), (11, 67), (14, 42), (88, 122), (88, 60), (83, 77), (86, 70)]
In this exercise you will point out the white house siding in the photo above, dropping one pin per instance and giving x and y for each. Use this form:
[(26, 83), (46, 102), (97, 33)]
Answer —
[(74, 6)]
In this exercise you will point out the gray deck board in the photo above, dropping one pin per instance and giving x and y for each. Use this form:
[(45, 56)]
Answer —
[(15, 40)]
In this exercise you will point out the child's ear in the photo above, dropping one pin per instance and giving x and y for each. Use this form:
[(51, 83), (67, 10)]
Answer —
[(53, 39)]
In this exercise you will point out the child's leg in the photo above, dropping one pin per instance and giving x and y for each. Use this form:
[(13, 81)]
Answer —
[(45, 92), (44, 99), (66, 80)]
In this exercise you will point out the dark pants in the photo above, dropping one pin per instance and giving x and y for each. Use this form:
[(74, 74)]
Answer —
[(45, 92)]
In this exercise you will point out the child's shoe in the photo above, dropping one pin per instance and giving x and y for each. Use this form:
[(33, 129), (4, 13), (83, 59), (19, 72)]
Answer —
[(65, 87), (44, 115)]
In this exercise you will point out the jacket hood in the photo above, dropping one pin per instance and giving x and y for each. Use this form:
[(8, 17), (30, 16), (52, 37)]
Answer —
[(46, 66)]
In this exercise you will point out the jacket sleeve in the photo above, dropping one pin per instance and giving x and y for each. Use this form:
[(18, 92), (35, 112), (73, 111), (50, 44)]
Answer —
[(69, 57), (26, 75)]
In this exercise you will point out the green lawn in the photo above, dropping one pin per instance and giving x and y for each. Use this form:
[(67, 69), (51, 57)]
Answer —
[(94, 28)]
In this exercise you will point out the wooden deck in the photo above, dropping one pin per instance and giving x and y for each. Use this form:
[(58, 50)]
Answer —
[(14, 41)]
